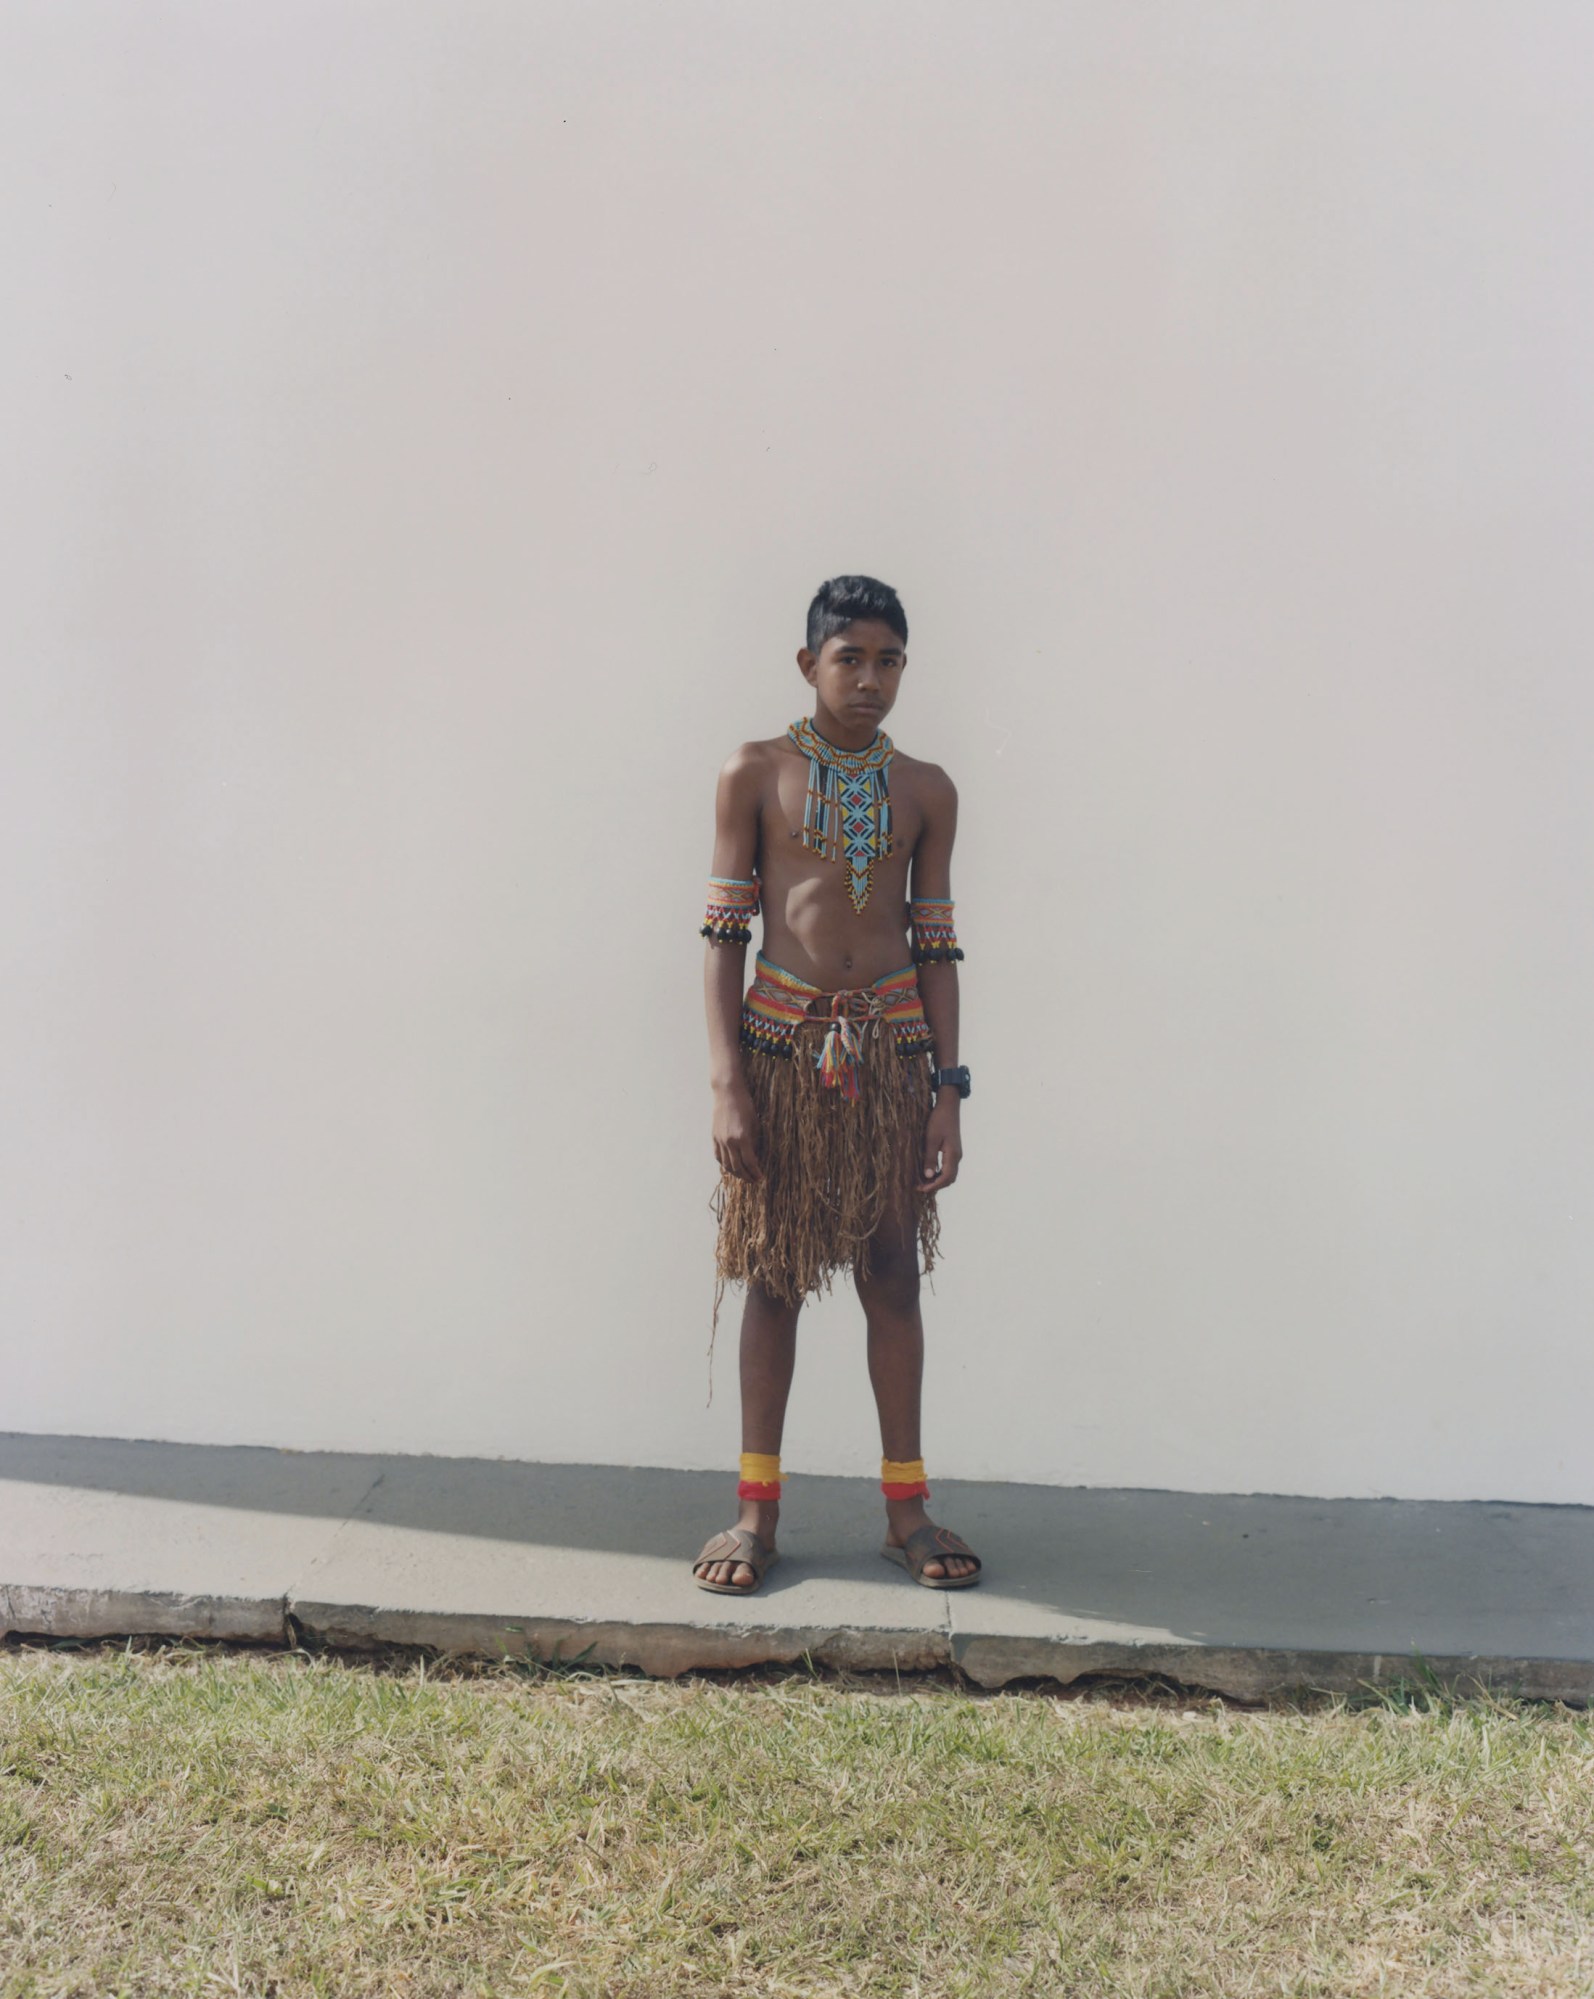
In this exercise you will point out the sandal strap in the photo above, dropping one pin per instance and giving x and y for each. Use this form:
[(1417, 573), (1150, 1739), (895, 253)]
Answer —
[(929, 1543), (735, 1544)]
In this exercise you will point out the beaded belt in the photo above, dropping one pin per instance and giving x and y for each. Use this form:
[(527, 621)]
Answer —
[(778, 1003)]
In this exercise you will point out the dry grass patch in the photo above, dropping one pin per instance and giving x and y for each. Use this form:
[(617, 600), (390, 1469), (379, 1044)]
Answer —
[(184, 1820)]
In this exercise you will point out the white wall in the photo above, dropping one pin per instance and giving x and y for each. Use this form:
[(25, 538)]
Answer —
[(424, 427)]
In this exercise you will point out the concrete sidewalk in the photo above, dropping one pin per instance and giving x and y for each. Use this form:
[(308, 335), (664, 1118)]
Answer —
[(1243, 1595)]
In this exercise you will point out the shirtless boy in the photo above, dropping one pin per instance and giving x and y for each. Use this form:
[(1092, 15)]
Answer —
[(837, 1092)]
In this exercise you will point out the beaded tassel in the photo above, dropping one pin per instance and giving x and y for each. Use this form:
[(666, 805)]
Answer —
[(903, 1478), (760, 1475), (839, 1059), (730, 904), (934, 939)]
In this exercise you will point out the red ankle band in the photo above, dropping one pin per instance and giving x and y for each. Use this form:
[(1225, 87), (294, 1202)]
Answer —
[(903, 1478), (761, 1475)]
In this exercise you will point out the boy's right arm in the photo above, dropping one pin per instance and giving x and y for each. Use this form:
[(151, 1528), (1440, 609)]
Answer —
[(736, 811)]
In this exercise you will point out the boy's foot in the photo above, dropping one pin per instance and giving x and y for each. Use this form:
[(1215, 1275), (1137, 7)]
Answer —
[(758, 1515), (906, 1516)]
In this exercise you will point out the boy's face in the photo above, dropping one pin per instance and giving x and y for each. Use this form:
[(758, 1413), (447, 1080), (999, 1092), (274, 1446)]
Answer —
[(857, 672)]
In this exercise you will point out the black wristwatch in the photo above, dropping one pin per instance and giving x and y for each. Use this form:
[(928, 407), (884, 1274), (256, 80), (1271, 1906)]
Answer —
[(959, 1076)]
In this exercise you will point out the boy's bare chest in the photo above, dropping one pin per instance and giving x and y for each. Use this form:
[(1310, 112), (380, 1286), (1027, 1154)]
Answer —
[(783, 856)]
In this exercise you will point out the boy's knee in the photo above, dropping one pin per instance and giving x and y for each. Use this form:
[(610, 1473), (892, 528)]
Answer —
[(769, 1308), (892, 1277)]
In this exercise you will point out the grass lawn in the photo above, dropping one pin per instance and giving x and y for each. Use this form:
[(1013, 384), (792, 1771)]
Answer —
[(186, 1819)]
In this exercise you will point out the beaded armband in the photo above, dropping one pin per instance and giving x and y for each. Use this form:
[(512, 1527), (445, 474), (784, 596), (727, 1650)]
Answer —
[(730, 904), (934, 940)]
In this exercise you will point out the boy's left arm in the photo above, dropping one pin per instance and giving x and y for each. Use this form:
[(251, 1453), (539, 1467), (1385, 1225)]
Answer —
[(938, 982)]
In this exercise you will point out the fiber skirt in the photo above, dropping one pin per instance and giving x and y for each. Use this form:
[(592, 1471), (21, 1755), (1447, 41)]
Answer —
[(834, 1168)]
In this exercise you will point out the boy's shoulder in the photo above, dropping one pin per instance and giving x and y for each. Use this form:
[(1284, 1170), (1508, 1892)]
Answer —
[(748, 763), (931, 778), (747, 755), (761, 749)]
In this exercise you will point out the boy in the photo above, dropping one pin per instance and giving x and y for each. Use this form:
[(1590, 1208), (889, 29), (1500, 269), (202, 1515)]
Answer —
[(837, 1095)]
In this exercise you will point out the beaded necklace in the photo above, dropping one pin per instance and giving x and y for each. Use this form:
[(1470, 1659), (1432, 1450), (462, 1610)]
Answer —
[(847, 809)]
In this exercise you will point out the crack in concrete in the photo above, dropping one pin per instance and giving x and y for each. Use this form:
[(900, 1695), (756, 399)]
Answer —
[(291, 1593)]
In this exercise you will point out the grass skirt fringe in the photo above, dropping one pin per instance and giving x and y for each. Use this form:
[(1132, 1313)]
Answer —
[(833, 1170)]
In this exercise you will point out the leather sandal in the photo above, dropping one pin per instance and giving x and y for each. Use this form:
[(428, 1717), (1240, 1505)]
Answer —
[(736, 1544), (929, 1544)]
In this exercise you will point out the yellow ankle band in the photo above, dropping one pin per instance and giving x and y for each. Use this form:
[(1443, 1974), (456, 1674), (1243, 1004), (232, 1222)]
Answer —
[(760, 1467), (901, 1471)]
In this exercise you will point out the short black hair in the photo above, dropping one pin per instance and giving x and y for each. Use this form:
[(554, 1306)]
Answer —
[(844, 599)]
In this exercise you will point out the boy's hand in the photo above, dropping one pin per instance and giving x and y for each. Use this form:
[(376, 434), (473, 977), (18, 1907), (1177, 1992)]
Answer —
[(736, 1133), (943, 1141)]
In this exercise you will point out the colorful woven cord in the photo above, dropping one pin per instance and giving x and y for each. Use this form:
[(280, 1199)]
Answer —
[(730, 904), (761, 1475), (847, 810), (934, 939), (903, 1478)]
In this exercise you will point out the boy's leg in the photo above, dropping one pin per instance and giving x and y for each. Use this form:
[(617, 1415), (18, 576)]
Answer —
[(768, 1358), (890, 1298)]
